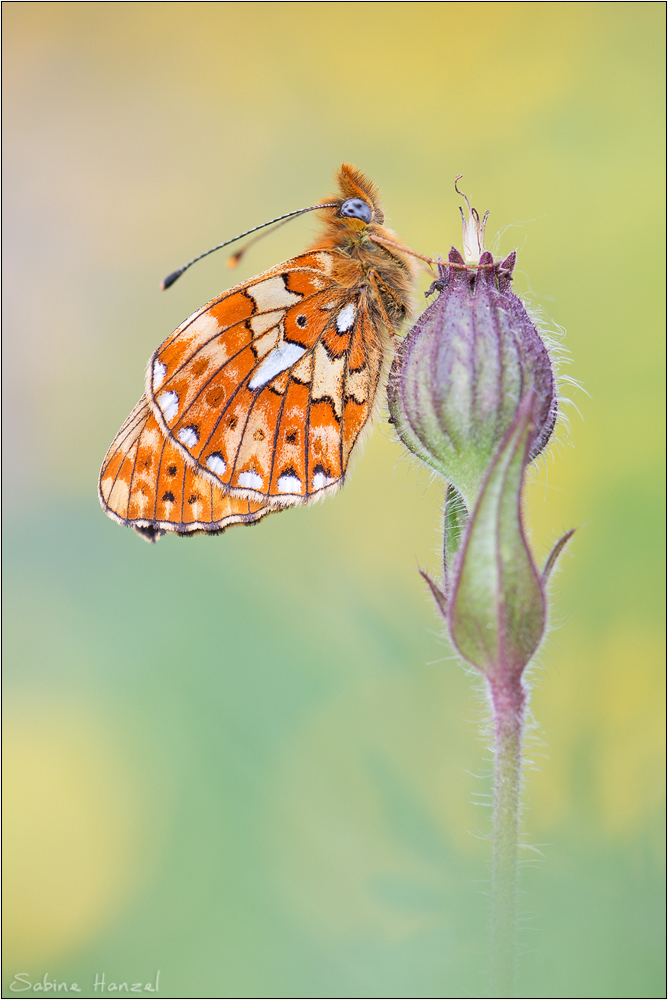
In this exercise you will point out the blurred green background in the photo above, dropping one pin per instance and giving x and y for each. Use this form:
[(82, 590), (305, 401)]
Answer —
[(251, 761)]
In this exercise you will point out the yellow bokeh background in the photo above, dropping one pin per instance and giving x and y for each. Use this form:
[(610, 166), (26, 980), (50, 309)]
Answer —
[(252, 762)]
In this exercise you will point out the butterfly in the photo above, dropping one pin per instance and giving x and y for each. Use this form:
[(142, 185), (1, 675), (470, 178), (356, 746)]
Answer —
[(255, 402)]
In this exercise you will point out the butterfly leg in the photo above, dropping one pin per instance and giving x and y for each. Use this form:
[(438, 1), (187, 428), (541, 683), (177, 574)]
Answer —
[(374, 280)]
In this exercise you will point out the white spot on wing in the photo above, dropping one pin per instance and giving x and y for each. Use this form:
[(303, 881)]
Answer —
[(271, 294), (159, 372), (169, 404), (281, 357), (320, 480), (303, 370), (188, 436), (250, 480), (119, 496), (262, 345), (264, 321), (325, 261), (357, 385), (217, 464), (328, 377), (204, 326), (288, 483), (346, 318)]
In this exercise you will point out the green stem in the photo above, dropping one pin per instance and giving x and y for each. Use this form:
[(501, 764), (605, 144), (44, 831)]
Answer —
[(508, 699)]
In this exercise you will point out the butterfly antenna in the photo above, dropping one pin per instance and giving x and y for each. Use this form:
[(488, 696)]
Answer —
[(235, 258), (171, 278)]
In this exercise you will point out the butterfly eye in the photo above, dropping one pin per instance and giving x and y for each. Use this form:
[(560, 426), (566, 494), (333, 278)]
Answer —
[(355, 208)]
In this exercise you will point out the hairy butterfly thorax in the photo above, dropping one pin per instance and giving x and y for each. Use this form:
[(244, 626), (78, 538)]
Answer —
[(256, 401), (386, 274)]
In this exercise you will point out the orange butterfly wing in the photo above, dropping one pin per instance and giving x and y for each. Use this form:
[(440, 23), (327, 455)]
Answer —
[(146, 483), (266, 389), (255, 402)]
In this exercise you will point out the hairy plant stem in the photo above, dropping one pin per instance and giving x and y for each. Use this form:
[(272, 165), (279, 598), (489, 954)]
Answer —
[(508, 698)]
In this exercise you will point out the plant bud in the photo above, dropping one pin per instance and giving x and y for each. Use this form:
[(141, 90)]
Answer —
[(496, 607), (461, 372)]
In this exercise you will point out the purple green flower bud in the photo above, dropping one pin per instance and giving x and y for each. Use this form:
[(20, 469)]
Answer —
[(472, 394), (461, 372), (496, 605), (494, 601)]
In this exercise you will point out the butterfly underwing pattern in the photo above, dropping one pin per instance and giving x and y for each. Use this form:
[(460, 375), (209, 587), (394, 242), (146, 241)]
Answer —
[(255, 402)]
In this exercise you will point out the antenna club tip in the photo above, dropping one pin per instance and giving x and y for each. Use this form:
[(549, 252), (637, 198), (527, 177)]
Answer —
[(169, 280)]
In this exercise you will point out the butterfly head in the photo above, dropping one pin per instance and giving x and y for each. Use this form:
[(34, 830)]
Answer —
[(356, 205), (356, 208)]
